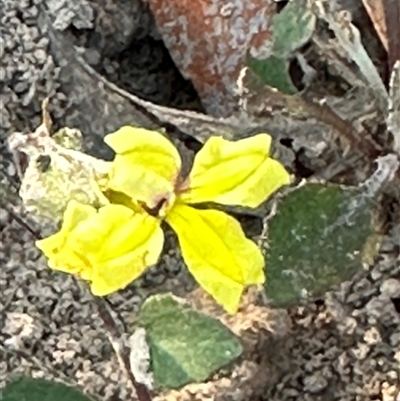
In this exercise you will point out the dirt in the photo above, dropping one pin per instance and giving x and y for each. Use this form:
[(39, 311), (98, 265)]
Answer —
[(344, 347)]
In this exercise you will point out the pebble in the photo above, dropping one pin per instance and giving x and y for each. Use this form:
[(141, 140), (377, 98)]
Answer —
[(391, 288), (315, 384)]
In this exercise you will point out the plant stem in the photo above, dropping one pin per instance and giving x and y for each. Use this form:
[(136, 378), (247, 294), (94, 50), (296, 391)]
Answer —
[(120, 349)]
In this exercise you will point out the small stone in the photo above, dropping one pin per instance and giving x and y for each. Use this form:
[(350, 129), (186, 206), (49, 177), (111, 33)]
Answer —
[(395, 340), (376, 274), (2, 47), (361, 351), (393, 376), (315, 383), (40, 55), (391, 288), (390, 392), (372, 336), (21, 87)]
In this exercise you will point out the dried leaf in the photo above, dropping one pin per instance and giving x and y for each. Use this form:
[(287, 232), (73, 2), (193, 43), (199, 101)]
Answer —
[(376, 11), (393, 120), (52, 174), (139, 358), (348, 40)]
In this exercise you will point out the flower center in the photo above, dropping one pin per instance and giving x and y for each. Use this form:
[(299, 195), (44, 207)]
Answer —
[(162, 205)]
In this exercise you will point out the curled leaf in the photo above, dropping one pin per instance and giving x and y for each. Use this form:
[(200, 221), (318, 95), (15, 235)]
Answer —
[(110, 247), (349, 40), (235, 173), (217, 253)]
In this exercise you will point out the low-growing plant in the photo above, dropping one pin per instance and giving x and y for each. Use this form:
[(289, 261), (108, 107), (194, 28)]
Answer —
[(107, 217), (110, 216)]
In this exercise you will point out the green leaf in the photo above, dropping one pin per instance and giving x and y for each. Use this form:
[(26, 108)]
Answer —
[(273, 71), (28, 389), (315, 241), (293, 27), (185, 345)]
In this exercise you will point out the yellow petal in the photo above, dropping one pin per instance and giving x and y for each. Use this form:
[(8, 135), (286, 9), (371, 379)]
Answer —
[(217, 253), (120, 244), (142, 145), (145, 159), (93, 234), (53, 246), (235, 173), (114, 274), (138, 182), (110, 247)]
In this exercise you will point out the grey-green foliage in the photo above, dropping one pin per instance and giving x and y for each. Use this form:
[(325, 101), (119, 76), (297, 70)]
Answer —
[(28, 389), (315, 241), (273, 72), (185, 345), (292, 28)]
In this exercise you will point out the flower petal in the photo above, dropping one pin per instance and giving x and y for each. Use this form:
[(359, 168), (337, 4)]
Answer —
[(110, 247), (235, 173), (146, 162), (53, 246), (114, 274), (120, 244), (138, 182), (217, 253)]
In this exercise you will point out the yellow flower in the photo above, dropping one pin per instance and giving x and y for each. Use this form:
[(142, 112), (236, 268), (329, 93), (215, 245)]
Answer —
[(109, 247), (218, 254)]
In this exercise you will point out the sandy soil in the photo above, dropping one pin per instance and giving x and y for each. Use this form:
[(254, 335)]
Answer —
[(345, 347)]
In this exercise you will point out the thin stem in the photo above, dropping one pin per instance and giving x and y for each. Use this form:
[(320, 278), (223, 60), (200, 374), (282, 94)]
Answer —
[(120, 349), (35, 234)]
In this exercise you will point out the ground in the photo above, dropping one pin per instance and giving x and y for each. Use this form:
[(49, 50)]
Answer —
[(344, 347)]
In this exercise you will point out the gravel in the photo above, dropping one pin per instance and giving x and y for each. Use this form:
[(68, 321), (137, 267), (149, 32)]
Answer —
[(345, 347)]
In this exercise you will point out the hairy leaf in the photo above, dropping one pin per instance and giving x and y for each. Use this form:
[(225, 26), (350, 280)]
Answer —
[(293, 27), (27, 389), (315, 241), (185, 345), (273, 72)]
